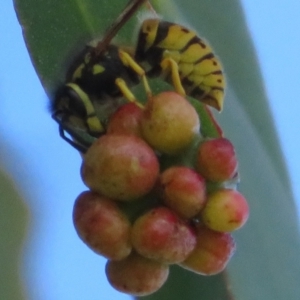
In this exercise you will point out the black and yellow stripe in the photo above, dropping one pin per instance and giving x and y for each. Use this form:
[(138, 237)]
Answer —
[(200, 72)]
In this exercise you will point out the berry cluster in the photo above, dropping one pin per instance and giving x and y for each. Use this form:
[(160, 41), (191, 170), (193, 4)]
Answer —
[(143, 215)]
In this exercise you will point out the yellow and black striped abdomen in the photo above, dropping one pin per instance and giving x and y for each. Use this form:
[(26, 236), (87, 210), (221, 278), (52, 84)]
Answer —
[(199, 70)]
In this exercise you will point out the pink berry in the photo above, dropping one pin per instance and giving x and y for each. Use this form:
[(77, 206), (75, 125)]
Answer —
[(102, 226), (121, 167), (216, 159), (183, 190), (160, 235), (212, 252), (136, 275), (126, 120)]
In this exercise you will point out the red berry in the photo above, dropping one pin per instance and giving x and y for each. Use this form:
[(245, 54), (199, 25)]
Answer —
[(136, 275), (102, 226), (126, 120), (212, 252), (121, 167), (216, 159), (169, 122), (183, 190), (226, 210), (160, 235)]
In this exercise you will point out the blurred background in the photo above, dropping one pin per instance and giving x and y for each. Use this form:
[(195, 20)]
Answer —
[(40, 172)]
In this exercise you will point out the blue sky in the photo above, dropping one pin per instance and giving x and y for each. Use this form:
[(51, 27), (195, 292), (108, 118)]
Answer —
[(40, 152), (274, 26)]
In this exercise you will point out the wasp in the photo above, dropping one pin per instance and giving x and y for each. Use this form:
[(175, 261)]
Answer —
[(103, 73)]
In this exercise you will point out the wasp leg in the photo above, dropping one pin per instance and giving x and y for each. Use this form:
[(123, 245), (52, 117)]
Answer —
[(77, 141), (81, 147), (128, 61), (170, 65), (125, 90)]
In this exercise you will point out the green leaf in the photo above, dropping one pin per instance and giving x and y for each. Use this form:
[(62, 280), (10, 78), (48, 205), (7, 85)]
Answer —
[(266, 265)]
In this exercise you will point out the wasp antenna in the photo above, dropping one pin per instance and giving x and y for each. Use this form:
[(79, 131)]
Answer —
[(151, 8), (126, 14)]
